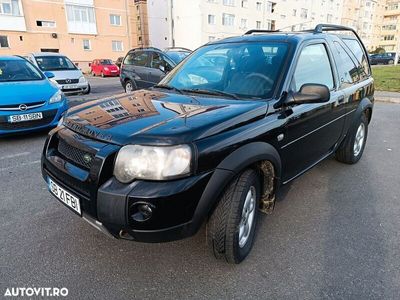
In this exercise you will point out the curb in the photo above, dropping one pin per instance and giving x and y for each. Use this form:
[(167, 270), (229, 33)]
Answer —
[(388, 100)]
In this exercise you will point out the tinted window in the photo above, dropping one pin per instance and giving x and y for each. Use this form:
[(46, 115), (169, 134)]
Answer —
[(106, 62), (159, 60), (358, 52), (313, 66), (177, 56), (137, 58), (247, 70), (18, 70), (54, 63), (347, 69)]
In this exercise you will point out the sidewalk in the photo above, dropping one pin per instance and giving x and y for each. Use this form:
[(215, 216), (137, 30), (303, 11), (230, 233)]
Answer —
[(392, 97)]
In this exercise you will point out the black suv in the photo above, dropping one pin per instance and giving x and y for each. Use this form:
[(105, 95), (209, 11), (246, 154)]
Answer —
[(215, 139), (145, 67)]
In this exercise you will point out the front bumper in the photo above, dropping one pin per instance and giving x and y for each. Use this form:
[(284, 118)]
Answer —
[(74, 88), (51, 115), (110, 205)]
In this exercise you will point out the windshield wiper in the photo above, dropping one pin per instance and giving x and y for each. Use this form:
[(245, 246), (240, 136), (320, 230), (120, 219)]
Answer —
[(211, 92), (167, 87)]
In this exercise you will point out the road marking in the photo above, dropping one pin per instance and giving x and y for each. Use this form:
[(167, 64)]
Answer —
[(20, 165), (15, 155)]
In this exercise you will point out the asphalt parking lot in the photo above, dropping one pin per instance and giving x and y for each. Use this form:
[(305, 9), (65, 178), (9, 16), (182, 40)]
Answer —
[(335, 233)]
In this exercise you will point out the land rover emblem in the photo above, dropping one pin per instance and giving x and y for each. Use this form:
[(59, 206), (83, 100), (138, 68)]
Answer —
[(87, 158)]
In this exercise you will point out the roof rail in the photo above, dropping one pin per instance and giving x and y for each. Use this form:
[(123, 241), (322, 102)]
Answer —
[(251, 31), (331, 27), (142, 48), (177, 48)]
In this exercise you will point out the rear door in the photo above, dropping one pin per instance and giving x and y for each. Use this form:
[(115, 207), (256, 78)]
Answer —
[(312, 130), (136, 67)]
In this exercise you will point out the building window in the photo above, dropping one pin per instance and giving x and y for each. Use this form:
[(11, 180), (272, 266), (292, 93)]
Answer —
[(304, 13), (212, 1), (258, 24), (81, 19), (388, 38), (115, 20), (228, 19), (258, 5), (294, 12), (329, 18), (4, 41), (269, 24), (48, 24), (86, 45), (10, 7), (245, 3), (211, 19), (243, 23), (117, 46), (229, 2), (269, 7)]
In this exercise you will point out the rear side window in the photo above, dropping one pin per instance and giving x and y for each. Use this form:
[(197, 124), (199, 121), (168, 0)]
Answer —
[(313, 66), (355, 47), (347, 69)]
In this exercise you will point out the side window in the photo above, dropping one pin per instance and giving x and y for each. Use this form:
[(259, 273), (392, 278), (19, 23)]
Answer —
[(313, 66), (348, 72), (156, 61), (140, 58), (129, 59), (355, 47)]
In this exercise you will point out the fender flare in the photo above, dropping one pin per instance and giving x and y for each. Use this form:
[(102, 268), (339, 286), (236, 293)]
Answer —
[(364, 104), (228, 169)]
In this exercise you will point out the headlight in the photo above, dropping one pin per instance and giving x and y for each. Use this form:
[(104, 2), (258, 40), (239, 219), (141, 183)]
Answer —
[(82, 79), (152, 163), (57, 97)]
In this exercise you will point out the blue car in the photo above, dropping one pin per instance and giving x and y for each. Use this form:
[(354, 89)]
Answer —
[(29, 101)]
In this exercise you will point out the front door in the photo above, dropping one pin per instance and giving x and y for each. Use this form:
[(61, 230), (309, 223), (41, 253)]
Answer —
[(312, 130)]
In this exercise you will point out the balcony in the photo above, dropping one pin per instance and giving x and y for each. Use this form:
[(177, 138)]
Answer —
[(13, 23)]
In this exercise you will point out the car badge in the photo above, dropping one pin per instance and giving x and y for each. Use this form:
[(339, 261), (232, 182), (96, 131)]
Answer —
[(87, 158), (23, 107), (68, 81)]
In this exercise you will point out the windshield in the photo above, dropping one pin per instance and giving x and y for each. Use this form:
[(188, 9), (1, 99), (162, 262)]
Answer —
[(106, 62), (18, 70), (245, 70), (54, 63), (177, 56)]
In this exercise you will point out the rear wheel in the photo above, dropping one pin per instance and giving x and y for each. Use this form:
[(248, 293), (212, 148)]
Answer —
[(93, 74), (102, 74), (391, 62), (231, 227), (353, 146)]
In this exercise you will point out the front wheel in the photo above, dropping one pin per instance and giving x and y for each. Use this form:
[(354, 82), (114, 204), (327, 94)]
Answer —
[(231, 227), (130, 86), (391, 62), (353, 145), (87, 91)]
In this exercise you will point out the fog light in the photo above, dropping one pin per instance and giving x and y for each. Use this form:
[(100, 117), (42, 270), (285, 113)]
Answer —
[(141, 212)]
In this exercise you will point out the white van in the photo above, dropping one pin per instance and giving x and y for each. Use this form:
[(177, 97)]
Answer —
[(68, 77)]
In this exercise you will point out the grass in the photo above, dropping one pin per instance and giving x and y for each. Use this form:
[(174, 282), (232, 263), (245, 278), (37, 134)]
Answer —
[(387, 78)]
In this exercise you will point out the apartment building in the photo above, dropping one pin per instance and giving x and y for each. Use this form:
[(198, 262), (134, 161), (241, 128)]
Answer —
[(390, 29), (81, 29)]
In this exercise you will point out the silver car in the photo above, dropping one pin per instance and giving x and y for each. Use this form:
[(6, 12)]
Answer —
[(69, 78)]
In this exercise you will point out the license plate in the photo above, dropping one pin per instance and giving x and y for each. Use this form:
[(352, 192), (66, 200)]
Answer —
[(64, 196), (69, 87), (25, 117)]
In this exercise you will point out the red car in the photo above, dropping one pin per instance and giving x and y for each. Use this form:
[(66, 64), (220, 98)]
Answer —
[(104, 67)]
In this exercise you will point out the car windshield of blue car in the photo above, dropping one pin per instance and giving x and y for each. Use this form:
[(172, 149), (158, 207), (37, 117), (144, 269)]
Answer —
[(241, 70), (55, 63), (18, 70)]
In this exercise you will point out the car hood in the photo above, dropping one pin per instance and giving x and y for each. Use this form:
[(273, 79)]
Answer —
[(67, 74), (25, 92), (152, 117)]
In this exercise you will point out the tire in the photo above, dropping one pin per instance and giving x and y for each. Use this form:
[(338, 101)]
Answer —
[(102, 74), (225, 228), (352, 147), (93, 74), (130, 86), (391, 62), (86, 92)]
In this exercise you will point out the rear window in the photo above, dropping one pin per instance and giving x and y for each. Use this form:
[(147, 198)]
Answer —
[(356, 48)]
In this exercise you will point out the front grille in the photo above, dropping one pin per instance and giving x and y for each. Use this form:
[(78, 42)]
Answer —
[(48, 117), (75, 155), (16, 107), (67, 81)]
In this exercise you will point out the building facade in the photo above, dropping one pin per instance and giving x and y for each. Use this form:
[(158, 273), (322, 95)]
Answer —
[(390, 29), (81, 29)]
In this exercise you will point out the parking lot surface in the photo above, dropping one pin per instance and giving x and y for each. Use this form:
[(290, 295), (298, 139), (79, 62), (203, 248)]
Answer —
[(335, 233)]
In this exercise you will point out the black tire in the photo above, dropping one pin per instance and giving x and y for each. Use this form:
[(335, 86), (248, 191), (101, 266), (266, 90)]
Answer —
[(86, 92), (93, 74), (391, 62), (346, 152), (224, 224), (102, 74), (129, 83)]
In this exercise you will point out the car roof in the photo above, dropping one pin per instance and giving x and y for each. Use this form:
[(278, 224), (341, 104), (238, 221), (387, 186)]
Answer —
[(11, 57), (47, 54)]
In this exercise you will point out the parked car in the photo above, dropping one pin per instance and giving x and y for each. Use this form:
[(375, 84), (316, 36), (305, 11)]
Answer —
[(119, 61), (68, 77), (29, 100), (103, 68), (387, 58), (145, 67), (156, 164)]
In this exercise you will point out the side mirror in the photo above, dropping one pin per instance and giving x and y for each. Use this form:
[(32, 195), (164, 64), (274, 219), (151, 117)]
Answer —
[(49, 75), (310, 93)]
